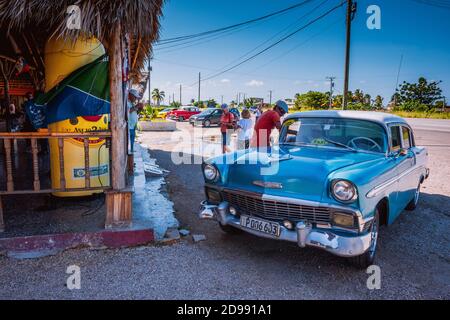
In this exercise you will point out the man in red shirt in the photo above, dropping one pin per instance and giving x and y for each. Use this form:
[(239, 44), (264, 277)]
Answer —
[(227, 123), (266, 123)]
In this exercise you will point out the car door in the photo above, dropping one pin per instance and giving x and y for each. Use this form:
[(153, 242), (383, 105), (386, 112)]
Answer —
[(402, 149)]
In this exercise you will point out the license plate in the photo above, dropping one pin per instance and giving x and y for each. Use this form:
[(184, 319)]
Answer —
[(260, 225)]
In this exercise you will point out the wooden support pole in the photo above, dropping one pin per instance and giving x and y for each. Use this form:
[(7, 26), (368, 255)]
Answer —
[(34, 150), (118, 123), (118, 201), (2, 223), (9, 175)]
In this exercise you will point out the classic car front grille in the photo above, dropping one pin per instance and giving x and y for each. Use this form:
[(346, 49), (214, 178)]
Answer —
[(274, 210)]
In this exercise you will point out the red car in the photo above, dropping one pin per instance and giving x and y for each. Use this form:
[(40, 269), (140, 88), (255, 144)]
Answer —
[(184, 113)]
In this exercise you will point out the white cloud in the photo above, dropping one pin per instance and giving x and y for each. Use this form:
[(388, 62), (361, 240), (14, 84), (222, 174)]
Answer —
[(254, 83), (225, 81)]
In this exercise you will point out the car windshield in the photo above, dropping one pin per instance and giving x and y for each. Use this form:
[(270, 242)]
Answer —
[(349, 134)]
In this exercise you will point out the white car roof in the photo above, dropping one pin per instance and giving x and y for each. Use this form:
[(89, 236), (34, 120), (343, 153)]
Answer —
[(379, 117)]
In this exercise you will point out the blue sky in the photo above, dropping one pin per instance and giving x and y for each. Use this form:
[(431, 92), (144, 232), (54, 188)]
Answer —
[(417, 31)]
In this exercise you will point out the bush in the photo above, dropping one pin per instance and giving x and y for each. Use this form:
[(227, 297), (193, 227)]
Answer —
[(410, 106)]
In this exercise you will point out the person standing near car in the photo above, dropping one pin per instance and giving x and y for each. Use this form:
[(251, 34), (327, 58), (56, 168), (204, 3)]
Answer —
[(227, 124), (267, 122), (133, 96), (258, 112), (245, 132)]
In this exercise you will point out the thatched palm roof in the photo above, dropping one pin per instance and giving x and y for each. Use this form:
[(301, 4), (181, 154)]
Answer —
[(39, 20)]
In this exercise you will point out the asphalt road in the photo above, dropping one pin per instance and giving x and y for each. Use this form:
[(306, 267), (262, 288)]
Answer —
[(413, 254)]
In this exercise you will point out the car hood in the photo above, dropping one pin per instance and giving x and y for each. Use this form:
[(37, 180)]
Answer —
[(299, 172)]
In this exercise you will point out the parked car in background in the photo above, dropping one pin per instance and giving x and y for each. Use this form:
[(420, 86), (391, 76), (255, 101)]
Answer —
[(206, 118), (163, 113), (332, 180), (183, 113)]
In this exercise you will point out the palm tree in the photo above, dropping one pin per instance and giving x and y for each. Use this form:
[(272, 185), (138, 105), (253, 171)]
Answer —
[(158, 96)]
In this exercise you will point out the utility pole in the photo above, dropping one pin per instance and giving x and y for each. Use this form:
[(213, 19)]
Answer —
[(180, 93), (331, 90), (199, 83), (270, 97), (149, 86), (351, 9), (239, 99), (221, 100)]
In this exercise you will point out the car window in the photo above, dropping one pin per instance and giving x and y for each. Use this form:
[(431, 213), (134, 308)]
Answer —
[(406, 136), (396, 142), (335, 132)]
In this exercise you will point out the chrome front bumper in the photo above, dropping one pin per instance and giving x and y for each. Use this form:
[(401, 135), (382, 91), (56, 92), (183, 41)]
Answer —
[(304, 234)]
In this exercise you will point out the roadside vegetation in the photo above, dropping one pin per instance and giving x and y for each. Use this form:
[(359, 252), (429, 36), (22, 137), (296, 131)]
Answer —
[(422, 99), (411, 100)]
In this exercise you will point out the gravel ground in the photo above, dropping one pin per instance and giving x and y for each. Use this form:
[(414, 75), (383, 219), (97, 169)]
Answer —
[(414, 254)]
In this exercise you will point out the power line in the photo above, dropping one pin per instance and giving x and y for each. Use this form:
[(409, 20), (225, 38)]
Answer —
[(232, 26), (197, 41), (435, 3), (276, 43), (297, 45), (278, 33)]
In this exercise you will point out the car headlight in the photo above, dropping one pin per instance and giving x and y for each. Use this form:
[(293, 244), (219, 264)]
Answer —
[(344, 191), (211, 173)]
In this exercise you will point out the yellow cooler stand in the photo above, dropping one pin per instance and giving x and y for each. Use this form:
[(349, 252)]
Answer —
[(74, 158), (61, 59)]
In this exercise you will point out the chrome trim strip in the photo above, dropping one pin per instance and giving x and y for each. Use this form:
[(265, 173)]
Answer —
[(375, 191)]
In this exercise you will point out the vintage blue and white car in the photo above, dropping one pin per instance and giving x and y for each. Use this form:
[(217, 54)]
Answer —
[(333, 178)]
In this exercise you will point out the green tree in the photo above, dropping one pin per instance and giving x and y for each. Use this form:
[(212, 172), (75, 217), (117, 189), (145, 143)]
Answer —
[(250, 102), (211, 103), (312, 99), (415, 95), (378, 103), (175, 104), (158, 96)]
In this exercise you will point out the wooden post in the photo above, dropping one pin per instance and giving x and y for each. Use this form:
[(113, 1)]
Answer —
[(9, 175), (119, 200), (34, 150), (2, 223)]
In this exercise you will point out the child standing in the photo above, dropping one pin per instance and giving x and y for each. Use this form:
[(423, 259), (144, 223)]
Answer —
[(245, 126)]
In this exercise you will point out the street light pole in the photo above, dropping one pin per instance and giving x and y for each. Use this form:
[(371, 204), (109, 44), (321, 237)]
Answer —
[(270, 97), (199, 82), (149, 86), (351, 8), (331, 90), (180, 93)]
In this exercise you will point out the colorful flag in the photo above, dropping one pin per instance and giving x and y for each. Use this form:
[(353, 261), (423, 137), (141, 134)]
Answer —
[(85, 92)]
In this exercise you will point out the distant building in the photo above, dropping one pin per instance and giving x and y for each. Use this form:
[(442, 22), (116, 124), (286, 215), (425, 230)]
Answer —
[(290, 103), (257, 100)]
